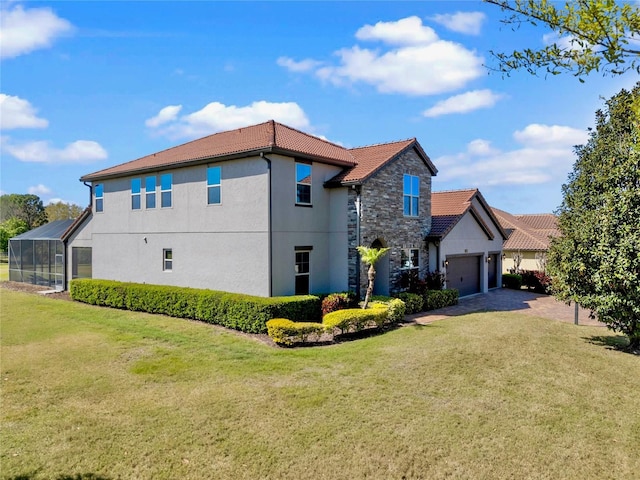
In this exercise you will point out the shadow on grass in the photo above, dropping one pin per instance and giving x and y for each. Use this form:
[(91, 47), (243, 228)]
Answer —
[(77, 476), (612, 342)]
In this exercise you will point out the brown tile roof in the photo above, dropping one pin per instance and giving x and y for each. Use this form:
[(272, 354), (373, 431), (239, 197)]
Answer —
[(522, 235), (271, 136), (448, 208), (546, 223), (265, 137)]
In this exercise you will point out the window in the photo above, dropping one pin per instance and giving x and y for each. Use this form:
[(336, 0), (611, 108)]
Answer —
[(167, 259), (303, 184), (213, 185), (411, 192), (136, 187), (150, 190), (99, 194), (81, 262), (302, 271), (166, 181), (409, 258)]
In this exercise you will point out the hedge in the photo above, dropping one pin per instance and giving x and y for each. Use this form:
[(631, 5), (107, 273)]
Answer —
[(413, 302), (512, 280), (246, 313), (435, 299), (284, 331), (356, 319)]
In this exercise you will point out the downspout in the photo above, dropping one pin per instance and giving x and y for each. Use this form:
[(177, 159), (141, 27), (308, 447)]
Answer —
[(270, 232), (90, 193)]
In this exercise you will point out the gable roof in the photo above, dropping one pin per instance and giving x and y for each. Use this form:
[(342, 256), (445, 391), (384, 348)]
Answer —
[(49, 231), (448, 208), (522, 235), (269, 137)]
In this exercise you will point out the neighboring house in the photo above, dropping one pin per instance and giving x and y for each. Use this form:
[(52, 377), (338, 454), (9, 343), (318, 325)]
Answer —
[(465, 242), (265, 210), (528, 239)]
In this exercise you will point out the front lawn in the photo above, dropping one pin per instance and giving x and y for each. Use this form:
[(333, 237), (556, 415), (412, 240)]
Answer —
[(108, 394)]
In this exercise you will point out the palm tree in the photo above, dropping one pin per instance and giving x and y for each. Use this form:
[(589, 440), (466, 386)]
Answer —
[(370, 256)]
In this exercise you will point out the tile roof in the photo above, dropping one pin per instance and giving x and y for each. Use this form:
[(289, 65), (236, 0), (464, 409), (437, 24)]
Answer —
[(522, 235), (448, 208), (266, 137), (271, 136), (543, 222)]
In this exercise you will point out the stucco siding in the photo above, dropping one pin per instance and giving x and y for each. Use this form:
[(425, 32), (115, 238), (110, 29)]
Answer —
[(529, 260)]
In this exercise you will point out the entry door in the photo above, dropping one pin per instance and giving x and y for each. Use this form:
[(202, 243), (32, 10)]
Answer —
[(59, 272), (463, 273)]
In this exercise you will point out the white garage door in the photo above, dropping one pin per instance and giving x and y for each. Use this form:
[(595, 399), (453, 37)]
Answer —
[(463, 273)]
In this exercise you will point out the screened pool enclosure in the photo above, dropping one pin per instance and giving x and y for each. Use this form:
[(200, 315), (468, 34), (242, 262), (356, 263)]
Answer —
[(38, 256)]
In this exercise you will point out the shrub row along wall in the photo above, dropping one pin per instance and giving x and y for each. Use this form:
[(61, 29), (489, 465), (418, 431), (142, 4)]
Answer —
[(431, 300), (246, 313)]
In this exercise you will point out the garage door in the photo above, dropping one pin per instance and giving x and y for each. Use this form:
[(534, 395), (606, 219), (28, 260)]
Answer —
[(463, 273)]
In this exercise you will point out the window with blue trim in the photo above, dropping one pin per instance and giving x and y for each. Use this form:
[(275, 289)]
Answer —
[(213, 185), (150, 191), (98, 191), (136, 188), (411, 195), (166, 184)]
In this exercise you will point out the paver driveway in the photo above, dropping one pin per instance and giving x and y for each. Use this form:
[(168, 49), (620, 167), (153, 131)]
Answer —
[(507, 300)]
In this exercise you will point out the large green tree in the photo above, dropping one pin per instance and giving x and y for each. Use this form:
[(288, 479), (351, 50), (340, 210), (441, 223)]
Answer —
[(28, 208), (596, 260), (592, 35), (11, 228), (62, 211)]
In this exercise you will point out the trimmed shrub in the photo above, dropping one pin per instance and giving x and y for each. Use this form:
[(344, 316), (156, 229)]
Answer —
[(336, 301), (397, 309), (537, 281), (413, 302), (355, 319), (435, 299), (512, 280), (283, 331), (246, 313)]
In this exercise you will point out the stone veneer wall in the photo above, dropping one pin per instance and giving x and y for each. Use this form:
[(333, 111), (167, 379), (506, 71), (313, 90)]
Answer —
[(382, 218)]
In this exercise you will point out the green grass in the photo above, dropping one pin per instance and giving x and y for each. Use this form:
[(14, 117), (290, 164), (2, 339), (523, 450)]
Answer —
[(111, 394), (4, 272)]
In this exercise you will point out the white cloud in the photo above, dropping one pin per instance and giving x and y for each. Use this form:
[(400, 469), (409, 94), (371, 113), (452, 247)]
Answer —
[(216, 117), (536, 134), (167, 114), (25, 30), (461, 22), (463, 103), (39, 190), (546, 155), (80, 151), (15, 112), (301, 66), (406, 31), (418, 63)]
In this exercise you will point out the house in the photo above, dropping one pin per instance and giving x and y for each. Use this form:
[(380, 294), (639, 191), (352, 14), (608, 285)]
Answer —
[(528, 239), (265, 210), (465, 241)]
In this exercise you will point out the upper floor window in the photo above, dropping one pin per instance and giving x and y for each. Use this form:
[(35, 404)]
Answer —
[(213, 185), (150, 191), (411, 195), (136, 187), (166, 184), (98, 191), (303, 184), (409, 258)]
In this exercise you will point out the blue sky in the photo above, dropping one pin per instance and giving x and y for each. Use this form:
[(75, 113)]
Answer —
[(86, 85)]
